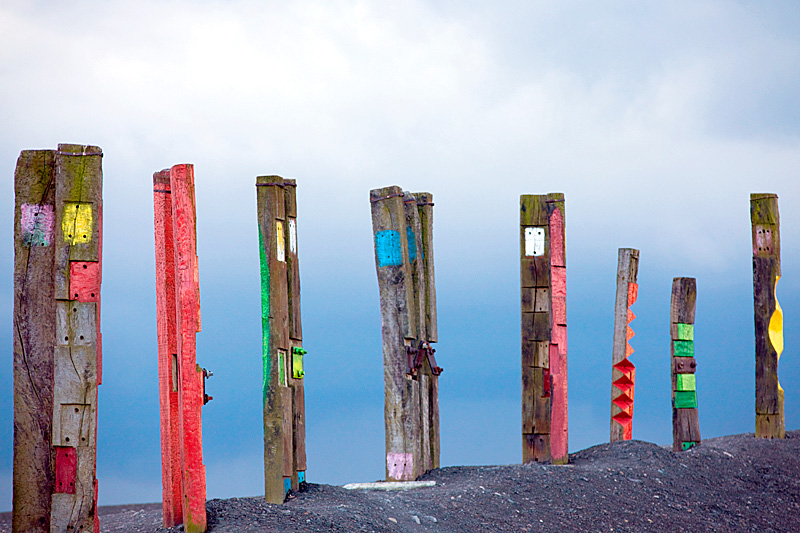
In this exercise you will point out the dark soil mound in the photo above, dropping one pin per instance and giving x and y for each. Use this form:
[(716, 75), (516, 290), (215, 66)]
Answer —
[(735, 483)]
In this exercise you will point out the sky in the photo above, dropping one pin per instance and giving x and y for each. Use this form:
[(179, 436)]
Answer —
[(655, 119)]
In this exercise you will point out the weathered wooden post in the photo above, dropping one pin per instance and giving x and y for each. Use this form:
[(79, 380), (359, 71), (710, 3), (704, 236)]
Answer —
[(545, 433), (402, 223), (181, 379), (685, 422), (282, 338), (57, 356), (623, 372), (765, 221)]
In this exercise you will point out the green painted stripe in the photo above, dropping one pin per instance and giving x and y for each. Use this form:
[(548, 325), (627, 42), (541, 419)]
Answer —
[(686, 382), (264, 314), (684, 348), (685, 399), (686, 332), (687, 445)]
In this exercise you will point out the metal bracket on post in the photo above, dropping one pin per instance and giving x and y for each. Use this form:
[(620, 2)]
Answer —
[(206, 374)]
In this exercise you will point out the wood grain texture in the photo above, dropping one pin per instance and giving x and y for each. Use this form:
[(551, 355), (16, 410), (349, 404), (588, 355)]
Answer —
[(168, 368), (425, 207), (187, 314), (559, 432), (685, 421), (396, 299), (58, 235), (34, 338), (768, 316), (271, 205), (543, 292), (627, 271)]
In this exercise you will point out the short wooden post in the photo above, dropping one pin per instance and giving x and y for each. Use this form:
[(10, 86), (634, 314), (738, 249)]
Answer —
[(282, 338), (765, 221), (545, 433), (403, 225), (685, 423), (57, 355), (623, 372), (181, 379)]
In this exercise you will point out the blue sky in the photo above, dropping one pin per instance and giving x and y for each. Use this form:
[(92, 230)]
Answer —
[(655, 119)]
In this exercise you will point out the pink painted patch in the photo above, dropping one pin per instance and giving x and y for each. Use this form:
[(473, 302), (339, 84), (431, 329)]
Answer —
[(557, 238), (400, 466), (37, 223), (558, 282), (560, 311), (84, 281), (66, 469)]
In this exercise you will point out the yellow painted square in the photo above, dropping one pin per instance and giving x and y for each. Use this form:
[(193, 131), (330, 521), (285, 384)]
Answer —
[(76, 224)]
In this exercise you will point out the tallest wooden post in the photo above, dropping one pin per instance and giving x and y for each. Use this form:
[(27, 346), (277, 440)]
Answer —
[(765, 223), (57, 358), (402, 223), (543, 276)]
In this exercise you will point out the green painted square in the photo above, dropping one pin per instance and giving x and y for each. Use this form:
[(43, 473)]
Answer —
[(685, 399), (687, 445), (282, 367), (686, 332), (684, 348), (686, 382)]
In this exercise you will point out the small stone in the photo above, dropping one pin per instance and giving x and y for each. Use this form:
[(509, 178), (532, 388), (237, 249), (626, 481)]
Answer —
[(392, 519), (415, 518), (431, 518)]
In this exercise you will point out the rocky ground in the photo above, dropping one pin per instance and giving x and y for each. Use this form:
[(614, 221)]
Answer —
[(735, 483)]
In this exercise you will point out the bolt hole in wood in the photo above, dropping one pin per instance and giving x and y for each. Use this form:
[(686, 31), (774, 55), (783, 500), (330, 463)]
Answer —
[(66, 338), (84, 266), (66, 439), (76, 409)]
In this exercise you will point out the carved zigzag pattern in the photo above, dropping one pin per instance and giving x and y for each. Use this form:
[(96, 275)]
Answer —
[(626, 383)]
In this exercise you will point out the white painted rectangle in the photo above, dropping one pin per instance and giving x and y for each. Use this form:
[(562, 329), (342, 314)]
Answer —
[(534, 241), (292, 236)]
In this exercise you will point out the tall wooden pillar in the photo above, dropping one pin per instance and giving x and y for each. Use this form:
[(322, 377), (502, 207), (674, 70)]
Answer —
[(403, 230), (57, 356), (685, 423), (623, 372), (765, 221), (181, 379), (545, 433), (282, 336)]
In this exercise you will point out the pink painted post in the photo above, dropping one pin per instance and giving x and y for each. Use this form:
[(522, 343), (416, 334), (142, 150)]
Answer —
[(166, 321), (181, 380), (559, 423)]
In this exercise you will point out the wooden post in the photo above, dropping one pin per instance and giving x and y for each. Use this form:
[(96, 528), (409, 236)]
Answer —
[(545, 434), (623, 373), (166, 322), (765, 220), (57, 356), (181, 379), (403, 224), (282, 338), (685, 423)]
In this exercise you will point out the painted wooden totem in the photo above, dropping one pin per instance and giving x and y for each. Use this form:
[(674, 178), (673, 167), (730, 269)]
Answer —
[(623, 372), (402, 223), (181, 380), (543, 273), (282, 339), (685, 422), (58, 242), (765, 221)]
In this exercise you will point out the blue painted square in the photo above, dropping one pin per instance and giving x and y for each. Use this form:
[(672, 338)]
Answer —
[(301, 477), (412, 244), (287, 485), (387, 248)]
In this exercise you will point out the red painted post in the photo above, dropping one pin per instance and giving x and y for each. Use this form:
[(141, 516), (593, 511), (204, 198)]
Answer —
[(187, 376), (172, 498)]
